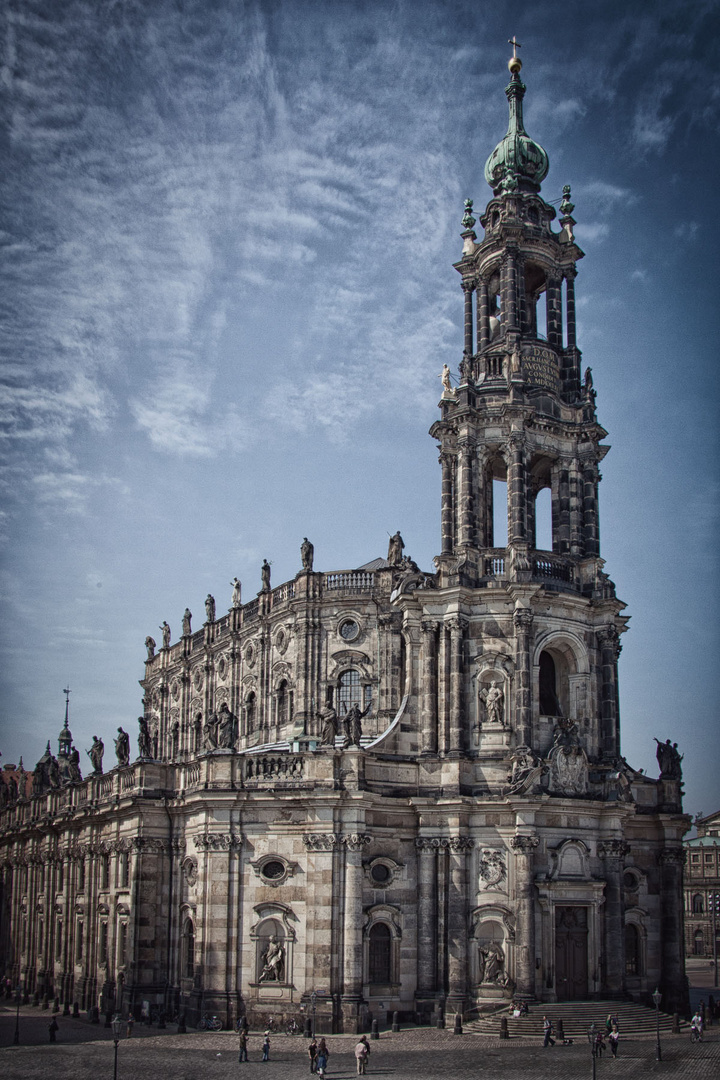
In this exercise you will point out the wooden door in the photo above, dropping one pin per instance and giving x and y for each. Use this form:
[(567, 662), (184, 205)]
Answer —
[(571, 953)]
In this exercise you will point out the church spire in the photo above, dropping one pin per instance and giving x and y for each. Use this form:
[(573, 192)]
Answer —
[(517, 163)]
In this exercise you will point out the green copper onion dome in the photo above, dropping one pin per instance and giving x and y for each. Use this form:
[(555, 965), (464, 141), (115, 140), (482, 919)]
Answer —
[(517, 163)]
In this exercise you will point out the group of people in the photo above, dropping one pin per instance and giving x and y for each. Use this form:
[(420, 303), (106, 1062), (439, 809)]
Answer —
[(244, 1035), (704, 1016), (611, 1034), (318, 1054)]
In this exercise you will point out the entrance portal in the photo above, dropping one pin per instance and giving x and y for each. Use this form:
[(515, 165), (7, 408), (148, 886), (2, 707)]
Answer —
[(571, 953)]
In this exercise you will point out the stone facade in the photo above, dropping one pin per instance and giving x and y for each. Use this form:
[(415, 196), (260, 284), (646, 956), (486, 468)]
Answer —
[(702, 888), (396, 789)]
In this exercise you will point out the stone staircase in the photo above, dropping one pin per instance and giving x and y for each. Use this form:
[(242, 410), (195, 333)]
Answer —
[(634, 1020)]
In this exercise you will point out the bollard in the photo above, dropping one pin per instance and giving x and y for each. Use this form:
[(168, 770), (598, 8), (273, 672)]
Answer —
[(66, 1008), (457, 1030), (440, 1023), (676, 1024), (46, 1002), (56, 1004), (396, 1021), (307, 1030), (94, 1015), (182, 1029), (108, 1019), (76, 1010), (161, 1018), (559, 1030), (504, 1028), (374, 1032)]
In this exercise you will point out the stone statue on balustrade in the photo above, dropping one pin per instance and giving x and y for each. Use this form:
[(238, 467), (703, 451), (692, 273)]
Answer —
[(95, 753), (494, 700), (210, 608), (165, 635), (329, 726), (669, 759), (210, 739), (352, 724), (187, 623), (150, 646), (73, 766), (122, 747), (395, 549), (265, 576), (237, 592), (526, 773), (144, 741), (225, 728), (307, 554)]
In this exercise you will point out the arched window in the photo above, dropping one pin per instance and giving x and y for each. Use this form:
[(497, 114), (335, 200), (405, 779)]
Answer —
[(380, 954), (349, 691), (283, 703), (699, 943), (549, 702), (697, 904), (188, 949), (543, 520), (250, 712), (632, 950)]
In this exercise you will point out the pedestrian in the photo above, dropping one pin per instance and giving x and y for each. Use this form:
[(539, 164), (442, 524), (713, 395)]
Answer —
[(266, 1047), (130, 1022), (362, 1052), (599, 1044), (613, 1039), (53, 1028), (710, 1010), (243, 1045), (312, 1054), (548, 1030), (322, 1057)]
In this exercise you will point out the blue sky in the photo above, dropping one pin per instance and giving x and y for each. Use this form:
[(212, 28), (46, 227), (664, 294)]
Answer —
[(227, 293)]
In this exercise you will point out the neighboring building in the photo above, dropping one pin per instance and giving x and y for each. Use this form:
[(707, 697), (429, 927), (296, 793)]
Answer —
[(478, 834), (702, 888)]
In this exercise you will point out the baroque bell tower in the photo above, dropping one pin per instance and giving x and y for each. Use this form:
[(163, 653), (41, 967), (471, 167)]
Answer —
[(521, 428)]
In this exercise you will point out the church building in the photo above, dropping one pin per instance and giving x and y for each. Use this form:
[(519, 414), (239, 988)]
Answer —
[(387, 787)]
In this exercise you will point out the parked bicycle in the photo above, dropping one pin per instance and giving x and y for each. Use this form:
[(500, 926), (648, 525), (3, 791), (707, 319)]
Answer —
[(291, 1028), (210, 1022)]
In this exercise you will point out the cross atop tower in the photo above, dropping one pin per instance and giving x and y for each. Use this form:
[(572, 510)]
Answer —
[(515, 44)]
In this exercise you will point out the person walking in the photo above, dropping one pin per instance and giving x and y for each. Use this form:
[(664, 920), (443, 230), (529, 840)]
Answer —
[(243, 1055), (266, 1047), (548, 1030), (614, 1039), (362, 1052), (322, 1057), (53, 1028), (312, 1054), (129, 1028)]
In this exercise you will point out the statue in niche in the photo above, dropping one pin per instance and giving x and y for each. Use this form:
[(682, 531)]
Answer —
[(395, 549), (150, 646), (225, 728), (330, 726), (494, 700), (144, 744), (273, 962), (122, 747), (307, 554), (210, 608), (95, 753), (187, 623), (669, 760), (492, 963), (211, 732), (352, 723), (526, 771), (165, 635), (236, 592)]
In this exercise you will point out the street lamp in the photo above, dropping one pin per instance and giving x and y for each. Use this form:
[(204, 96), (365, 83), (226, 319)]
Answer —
[(592, 1039), (117, 1026), (657, 998), (313, 1002), (18, 999)]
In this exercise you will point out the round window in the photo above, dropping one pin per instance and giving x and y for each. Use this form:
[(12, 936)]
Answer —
[(273, 870), (349, 630), (380, 873), (630, 881)]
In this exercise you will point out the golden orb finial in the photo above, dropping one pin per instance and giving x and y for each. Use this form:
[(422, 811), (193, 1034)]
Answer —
[(514, 63)]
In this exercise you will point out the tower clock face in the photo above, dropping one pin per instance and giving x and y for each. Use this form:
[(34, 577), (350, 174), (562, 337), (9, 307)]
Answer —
[(349, 630)]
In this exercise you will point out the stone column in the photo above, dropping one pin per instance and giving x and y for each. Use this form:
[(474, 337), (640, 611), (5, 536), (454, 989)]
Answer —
[(466, 514), (468, 288), (353, 930), (613, 852), (457, 711), (524, 847), (483, 315), (447, 506), (429, 730), (517, 493), (672, 972), (443, 694), (591, 526), (457, 924), (554, 313), (609, 652), (577, 541), (523, 620), (510, 298), (562, 540), (426, 917), (570, 312)]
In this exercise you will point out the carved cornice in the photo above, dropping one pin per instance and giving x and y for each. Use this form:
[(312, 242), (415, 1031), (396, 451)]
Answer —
[(427, 844), (218, 841), (524, 845), (320, 841), (523, 618), (609, 639), (613, 849), (149, 844), (356, 841), (671, 855)]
